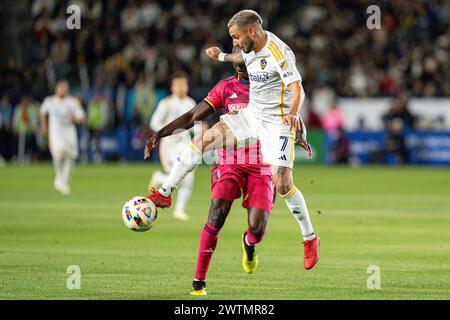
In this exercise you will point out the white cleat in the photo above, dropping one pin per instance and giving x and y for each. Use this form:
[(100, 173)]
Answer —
[(181, 215), (65, 190), (58, 185)]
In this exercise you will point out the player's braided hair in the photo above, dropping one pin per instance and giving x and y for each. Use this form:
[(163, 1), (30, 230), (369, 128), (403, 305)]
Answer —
[(244, 18)]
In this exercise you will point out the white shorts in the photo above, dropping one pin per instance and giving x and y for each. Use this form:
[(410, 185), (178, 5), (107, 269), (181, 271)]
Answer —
[(169, 149), (277, 139), (64, 149)]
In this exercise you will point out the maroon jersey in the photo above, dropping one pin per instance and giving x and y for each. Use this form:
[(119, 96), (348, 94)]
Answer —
[(232, 94)]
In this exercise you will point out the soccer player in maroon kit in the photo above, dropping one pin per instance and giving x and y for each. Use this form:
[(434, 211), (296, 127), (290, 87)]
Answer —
[(238, 171)]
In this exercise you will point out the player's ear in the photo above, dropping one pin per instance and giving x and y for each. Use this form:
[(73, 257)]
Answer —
[(251, 30)]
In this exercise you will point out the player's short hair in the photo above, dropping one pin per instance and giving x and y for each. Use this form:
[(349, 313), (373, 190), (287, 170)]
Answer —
[(179, 75), (63, 81), (245, 18)]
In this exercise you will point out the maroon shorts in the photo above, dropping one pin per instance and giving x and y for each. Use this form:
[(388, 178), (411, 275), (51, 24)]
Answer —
[(254, 182)]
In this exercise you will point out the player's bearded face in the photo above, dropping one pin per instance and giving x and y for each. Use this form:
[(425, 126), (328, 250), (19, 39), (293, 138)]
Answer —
[(242, 38), (248, 46)]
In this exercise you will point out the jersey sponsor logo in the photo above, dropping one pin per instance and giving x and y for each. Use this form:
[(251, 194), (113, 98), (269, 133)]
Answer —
[(261, 78), (236, 106), (288, 74), (263, 63)]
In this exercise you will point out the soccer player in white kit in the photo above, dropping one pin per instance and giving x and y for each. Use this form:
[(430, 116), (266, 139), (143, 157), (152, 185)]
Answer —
[(59, 115), (272, 116), (169, 109)]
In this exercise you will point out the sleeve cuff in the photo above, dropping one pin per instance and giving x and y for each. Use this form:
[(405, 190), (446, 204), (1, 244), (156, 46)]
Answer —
[(210, 104)]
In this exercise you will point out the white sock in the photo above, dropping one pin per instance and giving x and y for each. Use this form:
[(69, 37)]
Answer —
[(188, 160), (58, 166), (297, 205), (67, 170), (184, 193)]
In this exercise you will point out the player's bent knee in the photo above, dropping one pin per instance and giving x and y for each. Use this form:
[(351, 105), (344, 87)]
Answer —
[(283, 187), (257, 224), (218, 212), (282, 178)]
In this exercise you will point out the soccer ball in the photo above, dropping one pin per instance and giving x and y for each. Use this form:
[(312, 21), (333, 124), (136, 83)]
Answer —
[(139, 214)]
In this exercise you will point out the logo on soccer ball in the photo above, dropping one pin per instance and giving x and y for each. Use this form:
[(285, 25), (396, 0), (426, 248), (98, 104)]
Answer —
[(263, 64), (128, 213)]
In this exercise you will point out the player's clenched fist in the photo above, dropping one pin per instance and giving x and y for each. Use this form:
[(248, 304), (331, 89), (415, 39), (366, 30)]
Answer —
[(150, 144), (213, 52)]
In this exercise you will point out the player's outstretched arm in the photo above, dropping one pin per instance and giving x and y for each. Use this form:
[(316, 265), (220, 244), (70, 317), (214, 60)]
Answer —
[(216, 54), (186, 121)]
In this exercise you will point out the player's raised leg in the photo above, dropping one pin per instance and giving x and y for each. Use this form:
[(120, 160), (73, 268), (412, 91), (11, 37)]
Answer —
[(296, 203), (217, 136)]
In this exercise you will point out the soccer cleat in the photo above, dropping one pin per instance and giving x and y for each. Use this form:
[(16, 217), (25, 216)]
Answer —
[(58, 184), (181, 215), (65, 190), (249, 257), (159, 200), (311, 248), (198, 288)]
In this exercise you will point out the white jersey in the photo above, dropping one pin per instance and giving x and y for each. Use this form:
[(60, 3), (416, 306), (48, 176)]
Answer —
[(169, 109), (270, 71), (62, 132)]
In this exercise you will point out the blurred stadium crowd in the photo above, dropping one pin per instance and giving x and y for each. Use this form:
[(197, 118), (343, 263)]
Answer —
[(121, 60)]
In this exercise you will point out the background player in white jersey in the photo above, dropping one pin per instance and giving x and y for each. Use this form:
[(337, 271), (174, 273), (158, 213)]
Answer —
[(272, 116), (59, 115), (169, 109)]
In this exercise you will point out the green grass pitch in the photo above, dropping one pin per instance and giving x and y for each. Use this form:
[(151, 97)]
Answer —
[(395, 218)]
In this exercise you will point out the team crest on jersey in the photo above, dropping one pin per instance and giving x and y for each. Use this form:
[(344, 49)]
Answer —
[(263, 63)]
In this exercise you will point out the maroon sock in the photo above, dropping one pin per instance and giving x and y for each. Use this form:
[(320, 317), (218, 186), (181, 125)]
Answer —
[(208, 242), (251, 239)]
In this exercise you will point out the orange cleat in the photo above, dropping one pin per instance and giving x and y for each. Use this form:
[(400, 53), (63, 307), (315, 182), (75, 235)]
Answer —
[(311, 248), (159, 200)]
